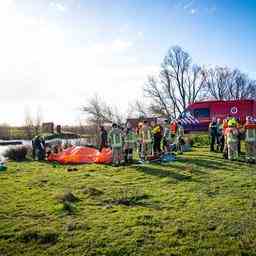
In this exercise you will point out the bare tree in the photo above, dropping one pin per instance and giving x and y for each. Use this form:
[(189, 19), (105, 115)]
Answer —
[(179, 84), (28, 125), (100, 112), (222, 83), (138, 109), (38, 121), (240, 86)]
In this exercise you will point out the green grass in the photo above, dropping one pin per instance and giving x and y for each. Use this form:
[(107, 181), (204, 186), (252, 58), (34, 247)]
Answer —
[(199, 205)]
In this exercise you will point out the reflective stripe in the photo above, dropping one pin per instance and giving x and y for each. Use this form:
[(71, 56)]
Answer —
[(148, 138), (250, 135), (231, 139), (115, 144), (130, 138)]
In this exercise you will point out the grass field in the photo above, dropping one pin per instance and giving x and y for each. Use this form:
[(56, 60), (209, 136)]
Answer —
[(198, 205)]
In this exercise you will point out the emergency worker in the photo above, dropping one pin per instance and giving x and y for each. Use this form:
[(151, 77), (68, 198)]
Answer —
[(157, 135), (146, 141), (220, 134), (213, 132), (231, 137), (130, 140), (250, 140), (116, 142), (167, 139), (180, 138)]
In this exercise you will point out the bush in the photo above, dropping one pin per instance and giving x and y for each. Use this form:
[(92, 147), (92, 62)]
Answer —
[(200, 140), (18, 153)]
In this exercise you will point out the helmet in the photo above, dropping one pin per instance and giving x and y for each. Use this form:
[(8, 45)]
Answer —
[(232, 122)]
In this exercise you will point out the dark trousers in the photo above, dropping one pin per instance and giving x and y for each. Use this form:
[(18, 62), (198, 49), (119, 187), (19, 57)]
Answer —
[(239, 137), (128, 155), (103, 144), (221, 143), (213, 141), (157, 145)]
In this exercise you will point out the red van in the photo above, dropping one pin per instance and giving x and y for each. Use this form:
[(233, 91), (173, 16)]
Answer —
[(198, 115)]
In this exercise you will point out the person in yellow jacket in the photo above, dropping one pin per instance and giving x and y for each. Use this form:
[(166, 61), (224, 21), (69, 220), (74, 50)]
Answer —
[(116, 142), (157, 132), (250, 140), (231, 138), (130, 141)]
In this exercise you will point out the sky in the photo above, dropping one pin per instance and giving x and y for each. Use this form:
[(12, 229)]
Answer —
[(57, 54)]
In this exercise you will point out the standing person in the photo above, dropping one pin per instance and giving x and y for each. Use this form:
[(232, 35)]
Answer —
[(220, 135), (213, 132), (103, 138), (140, 139), (157, 135), (38, 148), (240, 133), (231, 137), (115, 140), (130, 140), (180, 137), (250, 140), (167, 136), (146, 137)]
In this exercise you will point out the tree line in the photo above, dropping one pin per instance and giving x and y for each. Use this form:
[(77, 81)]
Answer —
[(179, 83)]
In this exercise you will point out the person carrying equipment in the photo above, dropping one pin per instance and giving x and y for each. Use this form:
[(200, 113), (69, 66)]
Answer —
[(130, 141), (116, 143), (250, 140), (38, 148), (146, 141), (213, 132), (180, 138), (231, 138)]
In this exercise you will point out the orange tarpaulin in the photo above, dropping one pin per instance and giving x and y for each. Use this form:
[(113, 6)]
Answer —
[(82, 155)]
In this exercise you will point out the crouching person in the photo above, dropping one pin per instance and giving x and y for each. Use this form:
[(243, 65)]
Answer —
[(231, 136), (250, 140), (116, 142), (130, 141)]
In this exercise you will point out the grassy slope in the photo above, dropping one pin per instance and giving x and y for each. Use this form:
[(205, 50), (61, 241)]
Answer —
[(199, 205)]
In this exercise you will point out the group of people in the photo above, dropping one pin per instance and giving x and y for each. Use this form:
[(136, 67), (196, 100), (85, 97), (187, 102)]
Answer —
[(151, 140), (41, 150), (226, 137)]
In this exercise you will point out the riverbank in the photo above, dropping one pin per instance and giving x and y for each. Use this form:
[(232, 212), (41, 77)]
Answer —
[(198, 205)]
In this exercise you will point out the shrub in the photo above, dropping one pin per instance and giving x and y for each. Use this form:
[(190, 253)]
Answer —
[(200, 140), (17, 153)]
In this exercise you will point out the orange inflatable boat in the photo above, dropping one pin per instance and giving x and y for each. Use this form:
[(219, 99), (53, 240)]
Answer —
[(82, 155)]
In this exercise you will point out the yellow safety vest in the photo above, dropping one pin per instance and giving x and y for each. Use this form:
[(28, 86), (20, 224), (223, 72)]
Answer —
[(231, 138), (117, 141), (147, 138)]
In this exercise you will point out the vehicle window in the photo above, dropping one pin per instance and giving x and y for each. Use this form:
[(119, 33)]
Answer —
[(184, 114), (202, 112)]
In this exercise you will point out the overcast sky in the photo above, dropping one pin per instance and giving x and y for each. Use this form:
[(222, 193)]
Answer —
[(56, 54)]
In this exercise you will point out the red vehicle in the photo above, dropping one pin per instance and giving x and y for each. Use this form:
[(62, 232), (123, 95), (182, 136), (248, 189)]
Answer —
[(198, 115)]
